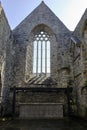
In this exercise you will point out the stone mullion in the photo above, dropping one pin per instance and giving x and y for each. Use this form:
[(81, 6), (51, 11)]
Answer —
[(37, 60), (41, 56), (46, 58)]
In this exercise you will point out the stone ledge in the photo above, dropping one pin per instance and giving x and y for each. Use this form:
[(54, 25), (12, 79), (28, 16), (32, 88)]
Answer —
[(40, 104)]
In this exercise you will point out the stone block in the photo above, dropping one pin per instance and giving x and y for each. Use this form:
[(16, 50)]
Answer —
[(41, 110)]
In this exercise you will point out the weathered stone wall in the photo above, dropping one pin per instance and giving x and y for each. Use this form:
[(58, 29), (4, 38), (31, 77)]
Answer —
[(68, 59), (6, 41), (29, 61), (42, 19), (17, 53), (59, 40), (80, 66)]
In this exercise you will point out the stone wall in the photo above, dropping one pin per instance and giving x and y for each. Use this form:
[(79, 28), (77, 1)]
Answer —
[(80, 65), (23, 34), (42, 18), (6, 41), (68, 58), (29, 61)]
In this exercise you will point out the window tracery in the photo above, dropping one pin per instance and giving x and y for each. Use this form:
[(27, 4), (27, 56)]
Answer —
[(41, 60)]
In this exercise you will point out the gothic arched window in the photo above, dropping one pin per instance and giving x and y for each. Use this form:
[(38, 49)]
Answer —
[(41, 60)]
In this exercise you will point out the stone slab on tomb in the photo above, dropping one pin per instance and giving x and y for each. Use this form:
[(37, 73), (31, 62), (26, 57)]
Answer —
[(41, 110)]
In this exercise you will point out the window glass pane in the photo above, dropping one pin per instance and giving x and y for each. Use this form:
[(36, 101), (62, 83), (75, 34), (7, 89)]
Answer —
[(39, 51), (43, 45), (43, 54), (48, 54), (43, 70), (39, 45), (34, 65), (48, 45), (39, 63), (48, 70), (48, 63), (35, 45), (34, 69), (43, 64)]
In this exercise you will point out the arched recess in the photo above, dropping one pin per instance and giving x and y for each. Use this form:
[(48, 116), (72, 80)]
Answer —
[(41, 34)]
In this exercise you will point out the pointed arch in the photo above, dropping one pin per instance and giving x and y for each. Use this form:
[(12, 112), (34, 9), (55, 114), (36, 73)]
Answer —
[(41, 58), (43, 42)]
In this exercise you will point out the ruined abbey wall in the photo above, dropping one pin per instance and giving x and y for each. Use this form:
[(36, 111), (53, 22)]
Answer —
[(59, 38), (6, 41), (68, 58)]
